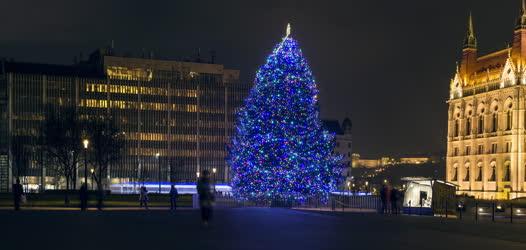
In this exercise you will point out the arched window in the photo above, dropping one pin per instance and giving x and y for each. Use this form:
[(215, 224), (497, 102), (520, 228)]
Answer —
[(494, 122), (468, 126), (481, 124), (479, 172), (507, 172), (466, 177), (455, 129), (509, 119), (455, 173), (492, 175)]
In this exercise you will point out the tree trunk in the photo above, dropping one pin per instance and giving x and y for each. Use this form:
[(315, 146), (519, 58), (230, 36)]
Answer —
[(66, 193), (100, 189)]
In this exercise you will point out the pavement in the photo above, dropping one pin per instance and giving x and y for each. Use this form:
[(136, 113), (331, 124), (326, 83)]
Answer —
[(247, 229)]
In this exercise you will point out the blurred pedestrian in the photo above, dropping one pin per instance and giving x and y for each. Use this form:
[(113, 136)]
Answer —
[(383, 198), (143, 197), (206, 197), (18, 194), (83, 195), (173, 198), (394, 201)]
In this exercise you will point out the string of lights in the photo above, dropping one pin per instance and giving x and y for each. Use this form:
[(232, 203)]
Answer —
[(279, 149)]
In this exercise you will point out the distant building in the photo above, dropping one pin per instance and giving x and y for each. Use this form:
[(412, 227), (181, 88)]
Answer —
[(414, 160), (357, 162), (183, 111), (343, 138), (486, 150)]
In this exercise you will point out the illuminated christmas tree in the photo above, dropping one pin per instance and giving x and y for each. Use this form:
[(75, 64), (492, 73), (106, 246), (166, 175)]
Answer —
[(279, 149)]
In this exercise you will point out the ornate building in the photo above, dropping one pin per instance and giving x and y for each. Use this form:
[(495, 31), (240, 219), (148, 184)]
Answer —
[(486, 142), (177, 116), (343, 144)]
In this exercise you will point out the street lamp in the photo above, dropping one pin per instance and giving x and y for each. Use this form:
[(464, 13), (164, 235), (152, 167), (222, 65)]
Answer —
[(92, 171), (214, 170), (86, 143), (159, 164)]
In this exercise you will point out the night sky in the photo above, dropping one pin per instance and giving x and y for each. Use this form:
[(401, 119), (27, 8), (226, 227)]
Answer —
[(385, 64)]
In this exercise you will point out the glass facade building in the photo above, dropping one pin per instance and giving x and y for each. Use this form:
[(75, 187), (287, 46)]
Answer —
[(184, 112)]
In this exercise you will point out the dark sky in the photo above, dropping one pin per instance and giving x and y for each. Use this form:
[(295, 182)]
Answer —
[(385, 64)]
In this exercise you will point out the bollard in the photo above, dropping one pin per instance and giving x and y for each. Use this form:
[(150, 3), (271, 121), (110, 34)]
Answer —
[(493, 211), (476, 211), (511, 212)]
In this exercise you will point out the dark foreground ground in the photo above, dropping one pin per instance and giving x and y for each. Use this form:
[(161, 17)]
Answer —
[(248, 228)]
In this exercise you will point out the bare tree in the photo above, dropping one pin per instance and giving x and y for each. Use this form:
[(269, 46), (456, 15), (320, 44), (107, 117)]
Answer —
[(62, 143), (107, 145)]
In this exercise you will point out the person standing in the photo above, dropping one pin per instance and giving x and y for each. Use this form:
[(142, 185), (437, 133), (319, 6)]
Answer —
[(143, 197), (206, 197), (173, 198), (18, 192), (383, 198), (394, 201), (83, 195)]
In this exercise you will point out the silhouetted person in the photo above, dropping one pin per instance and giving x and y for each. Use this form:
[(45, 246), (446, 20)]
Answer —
[(83, 196), (18, 191), (394, 201), (206, 197), (143, 197), (383, 198), (173, 198)]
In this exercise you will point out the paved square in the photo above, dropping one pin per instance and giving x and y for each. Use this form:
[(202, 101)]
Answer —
[(249, 228)]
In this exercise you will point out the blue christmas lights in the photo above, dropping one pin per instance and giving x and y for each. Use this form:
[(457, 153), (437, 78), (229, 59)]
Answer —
[(279, 149)]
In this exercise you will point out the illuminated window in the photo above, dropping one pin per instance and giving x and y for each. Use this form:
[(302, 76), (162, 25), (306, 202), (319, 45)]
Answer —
[(479, 172), (494, 148), (508, 147), (481, 124), (509, 119), (507, 172), (456, 128), (466, 177), (468, 150), (493, 172), (495, 122), (481, 149), (468, 126)]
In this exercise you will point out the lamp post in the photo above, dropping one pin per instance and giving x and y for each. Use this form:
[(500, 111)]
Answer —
[(86, 143), (366, 187), (92, 171), (214, 170), (159, 165)]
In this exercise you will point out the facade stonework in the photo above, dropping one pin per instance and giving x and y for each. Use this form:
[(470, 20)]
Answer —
[(486, 140)]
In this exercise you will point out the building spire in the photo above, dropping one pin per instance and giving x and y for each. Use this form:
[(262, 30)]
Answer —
[(470, 42), (521, 21)]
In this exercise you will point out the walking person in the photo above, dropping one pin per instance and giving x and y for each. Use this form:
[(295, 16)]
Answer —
[(18, 194), (143, 197), (173, 198), (83, 195), (206, 197)]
